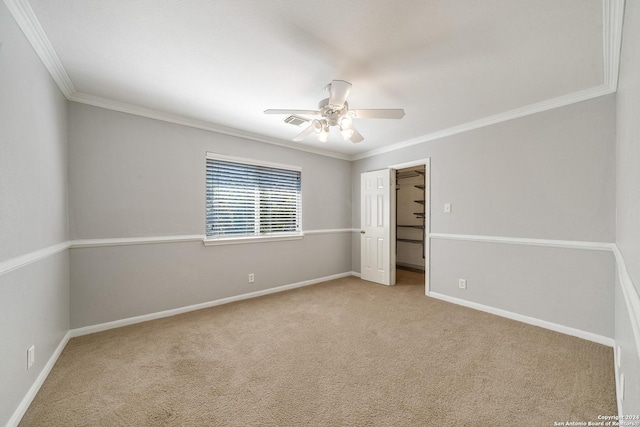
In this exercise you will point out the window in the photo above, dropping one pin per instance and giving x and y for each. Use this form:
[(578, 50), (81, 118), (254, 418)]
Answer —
[(248, 200)]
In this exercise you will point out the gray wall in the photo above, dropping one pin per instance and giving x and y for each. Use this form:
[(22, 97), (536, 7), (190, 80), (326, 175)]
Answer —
[(551, 175), (133, 176), (628, 198), (34, 299), (546, 176), (569, 287), (118, 282), (137, 177)]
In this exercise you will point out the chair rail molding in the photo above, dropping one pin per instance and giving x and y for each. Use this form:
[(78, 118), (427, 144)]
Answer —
[(570, 244), (26, 259)]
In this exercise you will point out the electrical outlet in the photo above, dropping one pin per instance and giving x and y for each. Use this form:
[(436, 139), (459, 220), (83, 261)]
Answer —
[(31, 356), (462, 284), (252, 278), (447, 208)]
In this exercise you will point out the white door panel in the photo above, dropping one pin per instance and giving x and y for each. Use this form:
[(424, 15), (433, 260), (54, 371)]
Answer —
[(377, 235)]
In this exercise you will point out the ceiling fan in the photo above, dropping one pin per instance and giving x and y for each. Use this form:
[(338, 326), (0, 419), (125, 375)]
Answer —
[(334, 111)]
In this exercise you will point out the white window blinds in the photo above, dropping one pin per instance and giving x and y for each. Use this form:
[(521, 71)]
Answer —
[(245, 199)]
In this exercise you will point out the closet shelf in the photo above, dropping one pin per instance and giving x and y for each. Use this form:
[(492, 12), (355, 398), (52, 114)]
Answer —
[(410, 240), (410, 173), (420, 184)]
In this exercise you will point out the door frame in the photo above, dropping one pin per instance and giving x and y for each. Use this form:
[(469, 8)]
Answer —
[(427, 221)]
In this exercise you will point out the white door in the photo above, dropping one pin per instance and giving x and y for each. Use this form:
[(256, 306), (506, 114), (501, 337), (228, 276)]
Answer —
[(376, 236)]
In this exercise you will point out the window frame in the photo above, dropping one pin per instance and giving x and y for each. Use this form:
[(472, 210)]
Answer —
[(266, 237)]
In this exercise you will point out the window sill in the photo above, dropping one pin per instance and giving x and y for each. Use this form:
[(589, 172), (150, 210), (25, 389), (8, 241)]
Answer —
[(251, 239)]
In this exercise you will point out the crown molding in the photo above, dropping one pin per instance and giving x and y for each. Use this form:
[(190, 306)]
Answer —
[(30, 26), (612, 20), (613, 14), (33, 31), (164, 116), (538, 107)]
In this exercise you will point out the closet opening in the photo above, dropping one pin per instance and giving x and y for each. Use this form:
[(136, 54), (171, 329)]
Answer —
[(412, 223)]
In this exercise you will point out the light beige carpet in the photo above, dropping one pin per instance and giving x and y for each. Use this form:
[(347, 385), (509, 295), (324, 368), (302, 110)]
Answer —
[(340, 353)]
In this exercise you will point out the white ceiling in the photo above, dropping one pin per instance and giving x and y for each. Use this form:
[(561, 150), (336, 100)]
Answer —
[(222, 62)]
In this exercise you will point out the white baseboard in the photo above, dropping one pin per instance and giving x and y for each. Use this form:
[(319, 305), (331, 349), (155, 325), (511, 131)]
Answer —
[(616, 369), (33, 390), (409, 265), (167, 313), (589, 336), (35, 387)]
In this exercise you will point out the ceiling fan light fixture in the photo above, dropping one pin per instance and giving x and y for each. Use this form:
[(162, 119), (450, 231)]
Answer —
[(324, 135), (345, 122), (318, 126), (334, 111), (347, 133)]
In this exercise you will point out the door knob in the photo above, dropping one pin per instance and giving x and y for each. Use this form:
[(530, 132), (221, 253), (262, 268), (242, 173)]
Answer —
[(362, 231)]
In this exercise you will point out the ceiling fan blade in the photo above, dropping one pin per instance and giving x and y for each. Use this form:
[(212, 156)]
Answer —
[(338, 93), (356, 137), (303, 134), (308, 112), (379, 114)]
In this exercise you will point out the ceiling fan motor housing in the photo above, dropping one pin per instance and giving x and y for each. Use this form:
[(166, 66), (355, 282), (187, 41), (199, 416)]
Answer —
[(333, 116)]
